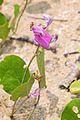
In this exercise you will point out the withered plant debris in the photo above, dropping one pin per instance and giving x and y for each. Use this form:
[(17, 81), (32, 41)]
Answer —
[(73, 75), (66, 53), (79, 12), (78, 40), (27, 39)]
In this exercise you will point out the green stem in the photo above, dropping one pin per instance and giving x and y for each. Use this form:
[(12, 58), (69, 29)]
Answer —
[(30, 63), (13, 110), (17, 24), (35, 105), (33, 56)]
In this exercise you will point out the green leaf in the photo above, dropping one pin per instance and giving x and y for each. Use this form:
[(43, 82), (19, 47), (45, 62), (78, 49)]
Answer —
[(41, 66), (23, 89), (13, 63), (9, 81), (1, 2), (16, 13), (75, 87), (12, 73), (4, 30), (72, 110), (16, 10)]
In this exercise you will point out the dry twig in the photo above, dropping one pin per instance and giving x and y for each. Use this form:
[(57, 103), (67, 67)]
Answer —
[(66, 53), (73, 75), (27, 39), (55, 19)]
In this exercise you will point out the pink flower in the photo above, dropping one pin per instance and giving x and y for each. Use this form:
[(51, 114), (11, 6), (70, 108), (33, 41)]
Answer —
[(42, 37), (49, 19), (35, 93)]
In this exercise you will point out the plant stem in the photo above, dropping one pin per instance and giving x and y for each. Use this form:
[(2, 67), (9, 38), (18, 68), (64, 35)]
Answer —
[(13, 109), (30, 63), (55, 19), (20, 16), (35, 105), (33, 56)]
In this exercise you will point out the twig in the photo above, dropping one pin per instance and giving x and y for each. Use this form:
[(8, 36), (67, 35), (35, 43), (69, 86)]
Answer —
[(55, 19), (79, 12), (78, 40), (35, 105), (66, 53), (73, 75), (13, 109), (33, 109), (27, 39), (20, 16)]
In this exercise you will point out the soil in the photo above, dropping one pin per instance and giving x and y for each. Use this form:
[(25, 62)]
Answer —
[(52, 100)]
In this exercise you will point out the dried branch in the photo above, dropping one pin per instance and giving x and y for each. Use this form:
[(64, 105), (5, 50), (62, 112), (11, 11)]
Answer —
[(66, 53), (73, 75), (78, 40), (27, 39), (79, 12), (41, 18), (21, 14)]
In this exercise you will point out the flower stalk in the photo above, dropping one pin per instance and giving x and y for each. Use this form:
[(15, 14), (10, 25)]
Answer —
[(23, 9), (13, 110)]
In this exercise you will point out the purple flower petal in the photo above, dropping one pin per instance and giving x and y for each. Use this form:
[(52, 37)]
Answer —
[(48, 19), (55, 38), (42, 36), (37, 29), (35, 93)]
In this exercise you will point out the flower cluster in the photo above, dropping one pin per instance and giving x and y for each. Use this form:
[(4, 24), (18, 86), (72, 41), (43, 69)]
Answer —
[(42, 37)]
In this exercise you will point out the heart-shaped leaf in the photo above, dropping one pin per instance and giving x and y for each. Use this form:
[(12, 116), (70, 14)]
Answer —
[(9, 81), (75, 87), (23, 89), (41, 66), (72, 110), (13, 75), (4, 30)]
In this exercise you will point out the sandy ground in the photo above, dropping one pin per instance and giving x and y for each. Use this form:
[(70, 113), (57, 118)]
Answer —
[(52, 99)]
